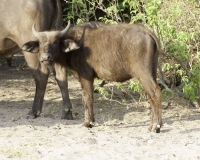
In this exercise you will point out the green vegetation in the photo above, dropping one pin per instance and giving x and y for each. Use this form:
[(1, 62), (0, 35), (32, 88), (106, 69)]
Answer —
[(175, 22)]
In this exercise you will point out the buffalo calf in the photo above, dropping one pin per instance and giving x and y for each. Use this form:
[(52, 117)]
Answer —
[(114, 53)]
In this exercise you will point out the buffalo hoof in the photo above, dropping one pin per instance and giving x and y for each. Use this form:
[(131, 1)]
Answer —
[(155, 129), (32, 115), (88, 125), (67, 115)]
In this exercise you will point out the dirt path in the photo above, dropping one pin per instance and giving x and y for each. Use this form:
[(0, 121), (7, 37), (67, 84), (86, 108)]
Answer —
[(120, 131)]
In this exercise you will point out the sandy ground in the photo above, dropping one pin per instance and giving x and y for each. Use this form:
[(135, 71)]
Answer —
[(120, 132)]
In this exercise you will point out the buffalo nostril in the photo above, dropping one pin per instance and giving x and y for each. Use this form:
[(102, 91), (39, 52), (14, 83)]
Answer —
[(46, 57)]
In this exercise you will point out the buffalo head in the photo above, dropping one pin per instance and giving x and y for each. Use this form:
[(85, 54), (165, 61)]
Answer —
[(47, 45)]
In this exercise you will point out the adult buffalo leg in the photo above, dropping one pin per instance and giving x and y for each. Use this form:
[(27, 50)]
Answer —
[(41, 82), (61, 78), (153, 90), (40, 74), (8, 54), (9, 61), (87, 100)]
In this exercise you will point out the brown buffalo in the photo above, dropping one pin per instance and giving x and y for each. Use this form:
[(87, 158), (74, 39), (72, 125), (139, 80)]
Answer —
[(114, 53), (36, 26)]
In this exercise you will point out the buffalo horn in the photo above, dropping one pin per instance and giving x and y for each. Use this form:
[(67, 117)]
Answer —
[(64, 32), (34, 30)]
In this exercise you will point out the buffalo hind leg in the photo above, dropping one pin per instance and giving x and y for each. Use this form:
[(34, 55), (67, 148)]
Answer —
[(87, 100), (9, 61), (155, 102), (154, 93), (60, 73)]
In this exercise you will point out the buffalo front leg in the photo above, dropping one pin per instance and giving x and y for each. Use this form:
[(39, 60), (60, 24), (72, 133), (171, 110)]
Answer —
[(40, 75), (61, 78), (41, 82), (87, 100)]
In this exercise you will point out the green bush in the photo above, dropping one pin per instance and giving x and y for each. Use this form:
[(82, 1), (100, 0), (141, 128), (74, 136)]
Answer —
[(175, 22)]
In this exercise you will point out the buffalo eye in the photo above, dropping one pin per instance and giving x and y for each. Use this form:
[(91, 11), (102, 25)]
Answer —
[(55, 42)]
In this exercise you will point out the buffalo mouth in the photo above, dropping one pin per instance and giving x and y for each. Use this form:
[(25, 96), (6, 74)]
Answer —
[(46, 62), (46, 58)]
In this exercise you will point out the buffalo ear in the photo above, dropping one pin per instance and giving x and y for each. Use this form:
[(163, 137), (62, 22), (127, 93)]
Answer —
[(32, 46), (69, 45)]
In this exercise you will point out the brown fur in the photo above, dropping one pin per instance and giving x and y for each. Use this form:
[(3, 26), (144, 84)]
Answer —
[(116, 53)]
